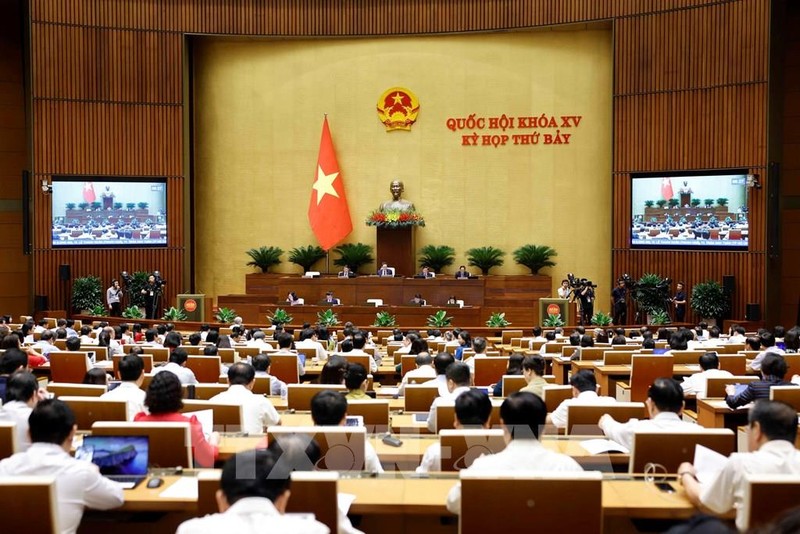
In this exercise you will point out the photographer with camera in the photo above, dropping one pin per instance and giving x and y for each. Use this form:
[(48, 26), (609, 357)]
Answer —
[(152, 294), (586, 296), (620, 305)]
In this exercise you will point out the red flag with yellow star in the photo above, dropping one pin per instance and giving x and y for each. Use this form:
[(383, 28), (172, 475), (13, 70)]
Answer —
[(328, 212)]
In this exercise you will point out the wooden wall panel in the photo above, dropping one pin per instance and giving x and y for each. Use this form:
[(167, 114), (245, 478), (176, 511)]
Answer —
[(689, 92)]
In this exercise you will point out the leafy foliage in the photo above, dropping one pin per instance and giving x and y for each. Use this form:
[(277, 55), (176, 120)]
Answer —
[(436, 257), (553, 320), (134, 289), (708, 202), (535, 257), (353, 255), (651, 293), (497, 320), (601, 319), (659, 317), (98, 311), (306, 256), (264, 257), (661, 203), (709, 299), (174, 314), (133, 312), (225, 315), (87, 293), (384, 318), (484, 258), (440, 319), (722, 201), (280, 316), (327, 318)]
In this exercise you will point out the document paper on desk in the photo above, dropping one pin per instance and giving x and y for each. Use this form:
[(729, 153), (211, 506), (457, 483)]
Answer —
[(183, 488), (601, 446), (206, 419), (344, 501), (707, 464)]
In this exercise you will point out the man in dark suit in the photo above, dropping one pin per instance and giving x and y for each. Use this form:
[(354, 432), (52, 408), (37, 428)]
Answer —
[(620, 305), (462, 273), (330, 300), (425, 273), (346, 273), (384, 270), (680, 303)]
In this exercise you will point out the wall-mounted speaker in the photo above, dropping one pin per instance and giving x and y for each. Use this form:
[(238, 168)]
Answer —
[(64, 272), (753, 312), (729, 283), (40, 303)]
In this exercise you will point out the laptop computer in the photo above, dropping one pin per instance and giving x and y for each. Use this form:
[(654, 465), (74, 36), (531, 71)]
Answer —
[(123, 459)]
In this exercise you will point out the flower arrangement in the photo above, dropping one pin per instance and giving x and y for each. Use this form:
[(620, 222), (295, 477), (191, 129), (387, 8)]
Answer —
[(395, 218)]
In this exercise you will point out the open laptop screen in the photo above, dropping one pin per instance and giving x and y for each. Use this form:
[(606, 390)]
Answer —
[(117, 455)]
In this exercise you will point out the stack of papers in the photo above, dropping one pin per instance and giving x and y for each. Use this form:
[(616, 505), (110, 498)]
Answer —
[(602, 446)]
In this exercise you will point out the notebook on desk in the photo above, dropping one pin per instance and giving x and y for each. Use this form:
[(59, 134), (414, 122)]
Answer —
[(123, 459)]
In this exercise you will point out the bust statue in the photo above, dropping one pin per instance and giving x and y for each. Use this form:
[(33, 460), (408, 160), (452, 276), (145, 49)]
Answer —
[(397, 203)]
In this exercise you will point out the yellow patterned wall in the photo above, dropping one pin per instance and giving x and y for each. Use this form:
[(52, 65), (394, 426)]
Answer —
[(258, 113)]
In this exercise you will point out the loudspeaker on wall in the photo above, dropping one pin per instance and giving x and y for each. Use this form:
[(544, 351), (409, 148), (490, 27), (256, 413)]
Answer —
[(753, 312), (64, 272)]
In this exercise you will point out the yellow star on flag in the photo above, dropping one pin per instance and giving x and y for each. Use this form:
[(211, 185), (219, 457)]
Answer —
[(324, 184)]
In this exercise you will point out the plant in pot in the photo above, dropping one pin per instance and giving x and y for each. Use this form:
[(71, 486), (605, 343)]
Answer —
[(83, 206), (535, 257), (134, 289), (306, 256), (722, 202), (651, 293), (673, 202), (117, 205), (70, 205), (353, 255), (553, 320), (96, 205), (384, 319), (142, 205), (659, 317), (436, 257), (130, 205), (279, 317), (709, 300), (601, 319), (133, 312), (649, 203), (327, 318), (98, 311), (497, 320), (696, 202), (264, 257), (661, 203), (484, 258), (708, 202), (174, 314), (87, 294), (225, 315), (440, 319)]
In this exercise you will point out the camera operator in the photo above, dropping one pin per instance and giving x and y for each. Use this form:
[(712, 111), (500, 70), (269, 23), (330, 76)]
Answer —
[(618, 297), (586, 296)]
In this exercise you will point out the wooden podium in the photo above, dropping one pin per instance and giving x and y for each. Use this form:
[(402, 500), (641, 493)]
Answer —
[(396, 246)]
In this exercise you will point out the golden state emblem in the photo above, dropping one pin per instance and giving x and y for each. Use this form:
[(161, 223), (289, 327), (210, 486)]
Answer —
[(398, 109)]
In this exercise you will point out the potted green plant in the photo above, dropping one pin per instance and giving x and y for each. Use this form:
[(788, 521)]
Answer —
[(306, 256), (279, 317), (497, 320), (96, 205), (535, 257), (709, 300), (722, 202), (673, 202), (440, 319), (659, 317), (601, 319), (651, 293), (83, 206), (436, 257), (117, 205), (130, 205), (327, 318), (649, 203), (695, 202), (133, 312), (484, 258), (353, 255), (708, 202), (143, 205), (264, 257), (135, 287), (661, 203), (174, 314), (70, 205), (384, 319), (87, 293), (98, 311), (553, 320), (225, 315)]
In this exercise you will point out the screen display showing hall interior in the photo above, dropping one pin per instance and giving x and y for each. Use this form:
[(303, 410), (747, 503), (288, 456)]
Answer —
[(105, 212), (690, 210)]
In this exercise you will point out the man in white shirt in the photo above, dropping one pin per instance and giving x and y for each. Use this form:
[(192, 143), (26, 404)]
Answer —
[(473, 410), (253, 494), (177, 366), (308, 339), (479, 346), (86, 337), (79, 483), (441, 362), (47, 344), (150, 338), (458, 381), (258, 411), (696, 384), (737, 335), (21, 397), (584, 392), (664, 404), (424, 370), (131, 371), (772, 433), (285, 341), (329, 408), (259, 341), (522, 415), (262, 364), (768, 346)]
